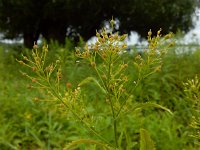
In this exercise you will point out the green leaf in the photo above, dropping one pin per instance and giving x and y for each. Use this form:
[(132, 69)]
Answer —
[(146, 105), (91, 79), (146, 143), (87, 141)]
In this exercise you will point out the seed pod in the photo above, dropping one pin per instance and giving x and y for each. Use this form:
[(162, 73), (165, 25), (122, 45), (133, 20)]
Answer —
[(68, 85), (35, 46), (34, 69), (33, 80), (93, 64), (149, 33), (21, 62)]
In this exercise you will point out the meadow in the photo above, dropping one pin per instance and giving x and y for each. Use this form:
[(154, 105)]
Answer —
[(101, 96)]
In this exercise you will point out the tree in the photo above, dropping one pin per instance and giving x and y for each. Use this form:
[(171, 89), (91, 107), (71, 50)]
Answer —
[(56, 19)]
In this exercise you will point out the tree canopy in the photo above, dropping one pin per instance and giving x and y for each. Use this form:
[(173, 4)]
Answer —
[(56, 19)]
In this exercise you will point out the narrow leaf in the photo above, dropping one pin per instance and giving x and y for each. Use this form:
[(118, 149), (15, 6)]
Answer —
[(146, 105), (87, 141), (146, 143), (91, 79)]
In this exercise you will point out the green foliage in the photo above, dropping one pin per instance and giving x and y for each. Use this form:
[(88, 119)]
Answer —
[(110, 77), (37, 118), (192, 88)]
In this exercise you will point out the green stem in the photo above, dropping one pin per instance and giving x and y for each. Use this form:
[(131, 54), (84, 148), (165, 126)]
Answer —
[(115, 132), (114, 120), (124, 102), (108, 86), (59, 97), (100, 77)]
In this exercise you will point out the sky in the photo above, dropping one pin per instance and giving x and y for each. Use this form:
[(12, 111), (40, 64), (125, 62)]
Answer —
[(194, 34)]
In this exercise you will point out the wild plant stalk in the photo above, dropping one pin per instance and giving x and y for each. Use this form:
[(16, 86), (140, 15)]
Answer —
[(108, 47), (192, 88), (111, 78), (112, 73), (45, 80)]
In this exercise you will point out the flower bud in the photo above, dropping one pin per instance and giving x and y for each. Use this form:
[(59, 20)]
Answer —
[(35, 46), (93, 64), (68, 85)]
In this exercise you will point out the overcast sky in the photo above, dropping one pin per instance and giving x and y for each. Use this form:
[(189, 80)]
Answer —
[(194, 34)]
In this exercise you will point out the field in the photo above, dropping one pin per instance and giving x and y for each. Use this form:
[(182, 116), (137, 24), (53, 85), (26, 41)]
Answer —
[(100, 97)]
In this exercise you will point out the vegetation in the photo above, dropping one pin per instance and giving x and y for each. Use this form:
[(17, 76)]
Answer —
[(53, 19), (101, 96)]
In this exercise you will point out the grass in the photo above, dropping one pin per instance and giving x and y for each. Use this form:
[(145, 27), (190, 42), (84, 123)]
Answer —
[(34, 119)]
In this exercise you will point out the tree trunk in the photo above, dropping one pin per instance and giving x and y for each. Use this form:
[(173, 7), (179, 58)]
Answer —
[(29, 39), (54, 31)]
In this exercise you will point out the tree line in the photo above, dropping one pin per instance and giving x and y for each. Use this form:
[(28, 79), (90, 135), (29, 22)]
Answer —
[(58, 19)]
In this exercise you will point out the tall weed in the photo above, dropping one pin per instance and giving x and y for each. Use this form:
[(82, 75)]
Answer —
[(111, 77)]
